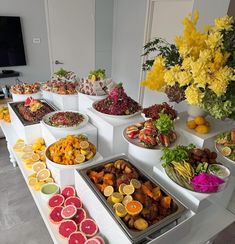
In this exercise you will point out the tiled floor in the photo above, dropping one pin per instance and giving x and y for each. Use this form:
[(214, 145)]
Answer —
[(20, 221)]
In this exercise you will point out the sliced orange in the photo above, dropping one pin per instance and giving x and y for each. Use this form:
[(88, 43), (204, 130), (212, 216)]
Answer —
[(120, 188), (120, 210), (43, 174), (128, 189), (38, 166), (108, 191), (134, 207), (116, 197), (135, 183), (84, 144), (127, 199), (27, 148), (35, 157), (19, 147), (33, 181), (80, 159)]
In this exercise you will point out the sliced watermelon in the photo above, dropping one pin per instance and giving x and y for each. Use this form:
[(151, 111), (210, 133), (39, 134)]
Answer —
[(69, 212), (88, 227), (73, 201), (80, 215), (56, 200), (77, 238), (67, 227), (68, 191), (55, 215)]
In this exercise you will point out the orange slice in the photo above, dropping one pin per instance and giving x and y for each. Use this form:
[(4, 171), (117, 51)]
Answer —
[(84, 144), (127, 199), (134, 207), (120, 210), (116, 197), (80, 159), (108, 191), (43, 174), (128, 189), (35, 157), (19, 147), (120, 188), (38, 166), (33, 181), (27, 148), (135, 183)]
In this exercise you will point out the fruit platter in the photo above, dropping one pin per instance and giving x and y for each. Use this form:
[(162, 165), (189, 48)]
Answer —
[(225, 145), (74, 223), (65, 120), (31, 111), (153, 133), (195, 169), (136, 202), (117, 104), (71, 151)]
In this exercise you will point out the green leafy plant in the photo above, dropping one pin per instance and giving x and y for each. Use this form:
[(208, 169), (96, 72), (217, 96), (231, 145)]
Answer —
[(164, 124)]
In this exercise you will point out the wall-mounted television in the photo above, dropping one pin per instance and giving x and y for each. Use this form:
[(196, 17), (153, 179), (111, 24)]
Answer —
[(11, 42)]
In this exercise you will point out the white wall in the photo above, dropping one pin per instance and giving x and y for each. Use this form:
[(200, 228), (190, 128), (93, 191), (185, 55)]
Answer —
[(128, 33), (103, 35), (33, 23)]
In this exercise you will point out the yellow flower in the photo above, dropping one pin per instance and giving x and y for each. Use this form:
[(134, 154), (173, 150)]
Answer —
[(214, 40), (184, 78), (186, 64), (205, 55), (171, 75), (155, 77), (193, 95), (224, 23), (197, 67), (220, 59)]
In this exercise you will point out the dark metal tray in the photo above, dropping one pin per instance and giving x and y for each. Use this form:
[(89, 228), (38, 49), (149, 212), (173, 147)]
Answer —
[(23, 121), (134, 236)]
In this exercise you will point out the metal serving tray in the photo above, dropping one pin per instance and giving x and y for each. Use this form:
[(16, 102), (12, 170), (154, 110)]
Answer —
[(23, 121), (135, 236)]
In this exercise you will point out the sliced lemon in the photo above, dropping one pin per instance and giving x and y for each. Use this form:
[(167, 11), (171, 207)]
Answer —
[(89, 155), (38, 166), (38, 186), (80, 158), (19, 147), (19, 141), (127, 199), (128, 189), (27, 157), (28, 148), (33, 181), (32, 176), (29, 165), (36, 146), (135, 183), (43, 174), (116, 204), (226, 151), (108, 191), (109, 200), (84, 152), (84, 144), (35, 157), (116, 197), (120, 210), (49, 180), (120, 188), (40, 140)]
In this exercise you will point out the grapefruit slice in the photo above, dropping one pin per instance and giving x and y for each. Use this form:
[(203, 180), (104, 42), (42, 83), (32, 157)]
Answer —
[(80, 216), (67, 227), (73, 201), (43, 174), (38, 166), (77, 238), (68, 191), (92, 241), (100, 239), (69, 212), (56, 200), (55, 215), (88, 227), (134, 207)]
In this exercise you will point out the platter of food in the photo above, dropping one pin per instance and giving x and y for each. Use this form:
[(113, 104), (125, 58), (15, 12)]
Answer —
[(65, 120), (70, 152), (195, 169), (117, 105), (225, 145), (31, 111), (134, 200)]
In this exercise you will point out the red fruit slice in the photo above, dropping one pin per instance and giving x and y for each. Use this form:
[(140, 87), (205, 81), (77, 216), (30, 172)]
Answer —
[(88, 227), (80, 215), (92, 241), (100, 239), (56, 200), (67, 227), (28, 101), (77, 238), (69, 212), (68, 191), (55, 215), (73, 201)]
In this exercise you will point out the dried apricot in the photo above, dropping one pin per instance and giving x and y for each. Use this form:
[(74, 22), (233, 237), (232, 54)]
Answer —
[(202, 129), (199, 120), (191, 124)]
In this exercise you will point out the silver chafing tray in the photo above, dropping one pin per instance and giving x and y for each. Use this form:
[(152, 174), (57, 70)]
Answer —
[(134, 235), (13, 105)]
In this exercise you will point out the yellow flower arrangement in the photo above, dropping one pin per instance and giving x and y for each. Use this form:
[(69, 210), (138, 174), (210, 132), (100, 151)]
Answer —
[(197, 63)]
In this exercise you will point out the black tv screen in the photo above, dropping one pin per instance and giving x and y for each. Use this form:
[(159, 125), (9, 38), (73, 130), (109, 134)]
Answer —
[(11, 42)]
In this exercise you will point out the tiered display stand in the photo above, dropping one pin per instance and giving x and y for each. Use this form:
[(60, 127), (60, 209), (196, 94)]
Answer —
[(206, 214)]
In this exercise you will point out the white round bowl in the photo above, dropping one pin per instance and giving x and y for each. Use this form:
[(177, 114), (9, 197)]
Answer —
[(46, 196)]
